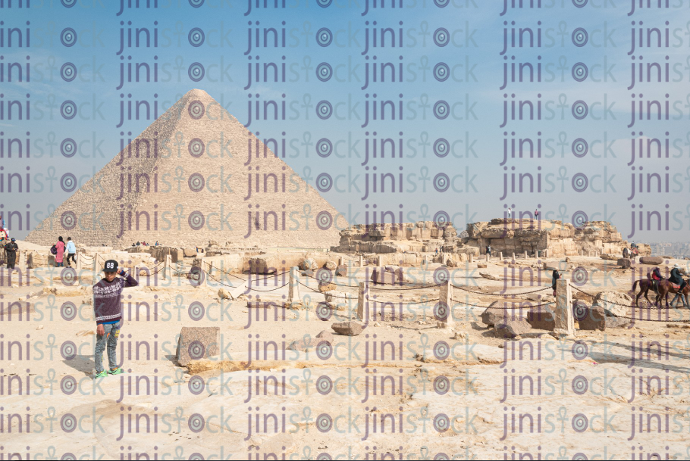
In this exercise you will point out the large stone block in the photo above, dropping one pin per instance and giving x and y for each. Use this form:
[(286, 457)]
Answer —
[(512, 328), (653, 260), (597, 318), (541, 319), (196, 343)]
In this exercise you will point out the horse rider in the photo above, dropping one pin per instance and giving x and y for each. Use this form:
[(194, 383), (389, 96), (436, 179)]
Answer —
[(677, 279), (656, 278)]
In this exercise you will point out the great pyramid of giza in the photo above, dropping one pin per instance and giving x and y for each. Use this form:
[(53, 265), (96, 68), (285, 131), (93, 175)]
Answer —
[(186, 180)]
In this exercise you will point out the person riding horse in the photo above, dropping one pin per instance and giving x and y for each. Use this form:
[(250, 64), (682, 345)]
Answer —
[(656, 278), (677, 279)]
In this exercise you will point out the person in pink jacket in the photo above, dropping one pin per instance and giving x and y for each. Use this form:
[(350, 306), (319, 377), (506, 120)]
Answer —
[(60, 246)]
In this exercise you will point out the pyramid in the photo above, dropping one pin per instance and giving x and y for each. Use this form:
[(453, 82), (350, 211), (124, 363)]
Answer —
[(192, 186)]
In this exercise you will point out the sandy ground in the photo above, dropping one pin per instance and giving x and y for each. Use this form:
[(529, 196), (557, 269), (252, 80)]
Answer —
[(403, 389)]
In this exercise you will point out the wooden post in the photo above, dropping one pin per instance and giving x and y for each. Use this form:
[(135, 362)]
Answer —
[(361, 261), (471, 259), (340, 260), (361, 299), (487, 257), (546, 253), (563, 316), (378, 261), (525, 254), (445, 305), (500, 256), (293, 287), (513, 256)]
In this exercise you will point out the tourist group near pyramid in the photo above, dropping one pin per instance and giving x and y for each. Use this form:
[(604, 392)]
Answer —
[(189, 178)]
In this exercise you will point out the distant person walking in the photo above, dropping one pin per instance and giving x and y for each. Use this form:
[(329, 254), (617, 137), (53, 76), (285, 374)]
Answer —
[(488, 250), (71, 251), (107, 308), (60, 255), (536, 214), (510, 212), (11, 253)]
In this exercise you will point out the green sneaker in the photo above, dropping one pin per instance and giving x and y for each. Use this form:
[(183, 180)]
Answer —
[(102, 374), (116, 371)]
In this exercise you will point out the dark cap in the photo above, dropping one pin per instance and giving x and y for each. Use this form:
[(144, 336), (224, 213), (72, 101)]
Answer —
[(110, 266)]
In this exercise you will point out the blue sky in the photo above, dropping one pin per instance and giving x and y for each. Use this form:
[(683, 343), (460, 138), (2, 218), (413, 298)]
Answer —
[(473, 54)]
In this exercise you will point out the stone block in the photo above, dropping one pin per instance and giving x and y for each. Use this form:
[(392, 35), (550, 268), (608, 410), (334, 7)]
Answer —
[(495, 315), (259, 266), (488, 276), (541, 319), (196, 343), (615, 303), (597, 318), (347, 328), (190, 252), (341, 271), (653, 260), (512, 328)]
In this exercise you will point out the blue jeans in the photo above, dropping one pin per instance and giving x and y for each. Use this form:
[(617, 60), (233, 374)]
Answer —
[(112, 333)]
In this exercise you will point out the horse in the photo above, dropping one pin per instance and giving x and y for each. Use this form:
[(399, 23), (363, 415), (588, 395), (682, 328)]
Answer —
[(664, 288)]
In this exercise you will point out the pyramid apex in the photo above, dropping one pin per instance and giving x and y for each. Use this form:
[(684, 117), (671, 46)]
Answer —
[(197, 93)]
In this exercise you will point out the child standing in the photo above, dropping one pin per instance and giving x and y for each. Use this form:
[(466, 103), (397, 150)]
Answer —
[(108, 312)]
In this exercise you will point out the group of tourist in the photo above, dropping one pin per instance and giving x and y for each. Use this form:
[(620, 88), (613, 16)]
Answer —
[(59, 250), (510, 213)]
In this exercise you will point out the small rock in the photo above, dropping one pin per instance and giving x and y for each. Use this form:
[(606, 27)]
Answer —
[(486, 275), (341, 271), (460, 336), (347, 328), (482, 265), (40, 327), (330, 265), (326, 286), (223, 294), (325, 335)]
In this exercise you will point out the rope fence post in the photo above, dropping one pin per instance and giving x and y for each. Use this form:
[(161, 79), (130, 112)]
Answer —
[(471, 257), (167, 267), (361, 299), (500, 256), (293, 287), (361, 261), (563, 316), (525, 254), (445, 305)]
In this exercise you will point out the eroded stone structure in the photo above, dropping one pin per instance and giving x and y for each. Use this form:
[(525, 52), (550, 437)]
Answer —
[(504, 235)]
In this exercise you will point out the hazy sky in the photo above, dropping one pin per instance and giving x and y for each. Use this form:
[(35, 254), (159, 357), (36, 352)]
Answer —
[(473, 90)]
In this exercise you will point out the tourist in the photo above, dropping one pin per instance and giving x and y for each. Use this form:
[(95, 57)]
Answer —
[(11, 253), (676, 277), (626, 253), (554, 276), (71, 251), (60, 255), (108, 312), (656, 278), (510, 212), (488, 250), (536, 214)]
